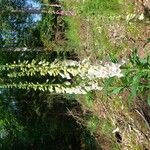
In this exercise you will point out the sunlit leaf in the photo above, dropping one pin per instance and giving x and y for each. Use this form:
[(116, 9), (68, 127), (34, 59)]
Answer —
[(117, 90), (135, 84)]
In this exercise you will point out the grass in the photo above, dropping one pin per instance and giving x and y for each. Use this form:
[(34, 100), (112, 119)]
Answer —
[(100, 31), (73, 32)]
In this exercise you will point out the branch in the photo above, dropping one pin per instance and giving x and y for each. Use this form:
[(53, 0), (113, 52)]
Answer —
[(22, 49)]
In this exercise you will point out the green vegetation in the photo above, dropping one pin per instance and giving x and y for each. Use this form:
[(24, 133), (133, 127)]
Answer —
[(77, 78)]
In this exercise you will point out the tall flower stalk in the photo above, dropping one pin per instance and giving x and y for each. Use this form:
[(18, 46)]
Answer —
[(79, 77)]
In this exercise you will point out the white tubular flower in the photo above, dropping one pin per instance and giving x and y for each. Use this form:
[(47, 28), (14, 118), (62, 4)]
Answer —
[(92, 85), (71, 63), (62, 75), (79, 90), (68, 76), (88, 88), (91, 71), (69, 91), (75, 90), (106, 71)]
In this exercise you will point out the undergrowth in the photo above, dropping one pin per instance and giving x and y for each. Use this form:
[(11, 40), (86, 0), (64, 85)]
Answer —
[(110, 30)]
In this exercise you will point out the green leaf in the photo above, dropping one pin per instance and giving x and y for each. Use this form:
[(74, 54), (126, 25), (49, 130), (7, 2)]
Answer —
[(134, 58), (117, 90), (135, 84), (148, 40), (108, 82)]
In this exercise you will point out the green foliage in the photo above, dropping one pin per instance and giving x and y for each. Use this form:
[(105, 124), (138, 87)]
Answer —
[(72, 32), (103, 7), (138, 69), (89, 99), (14, 27), (28, 119), (136, 75), (117, 90), (93, 123), (46, 30)]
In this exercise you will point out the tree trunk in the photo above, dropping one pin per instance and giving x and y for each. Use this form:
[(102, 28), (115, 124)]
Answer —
[(40, 11), (22, 49)]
